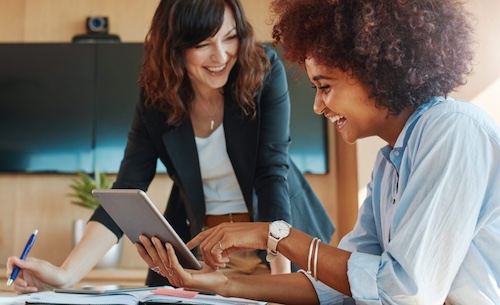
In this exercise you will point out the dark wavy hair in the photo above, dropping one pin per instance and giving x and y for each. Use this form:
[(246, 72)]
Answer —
[(403, 51), (182, 24)]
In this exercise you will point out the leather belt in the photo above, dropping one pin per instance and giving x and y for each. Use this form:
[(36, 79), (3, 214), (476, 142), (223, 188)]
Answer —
[(214, 220)]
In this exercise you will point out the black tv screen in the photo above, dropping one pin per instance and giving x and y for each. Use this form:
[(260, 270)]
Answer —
[(68, 107), (308, 130), (117, 92), (46, 104)]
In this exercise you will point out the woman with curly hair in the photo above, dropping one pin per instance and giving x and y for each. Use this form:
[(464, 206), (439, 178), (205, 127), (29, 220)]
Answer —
[(215, 111), (428, 231)]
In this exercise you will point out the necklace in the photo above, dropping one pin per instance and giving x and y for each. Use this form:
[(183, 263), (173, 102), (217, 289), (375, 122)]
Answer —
[(211, 114)]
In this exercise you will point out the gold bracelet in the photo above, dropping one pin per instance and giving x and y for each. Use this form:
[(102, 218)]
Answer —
[(309, 256), (315, 265)]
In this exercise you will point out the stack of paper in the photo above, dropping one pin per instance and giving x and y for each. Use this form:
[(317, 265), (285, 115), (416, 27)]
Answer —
[(164, 295)]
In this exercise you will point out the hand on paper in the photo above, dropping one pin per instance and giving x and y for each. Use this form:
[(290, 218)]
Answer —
[(35, 275)]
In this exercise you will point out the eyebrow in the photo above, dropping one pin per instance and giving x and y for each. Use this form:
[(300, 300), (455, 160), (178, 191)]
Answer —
[(229, 32), (320, 77), (225, 35)]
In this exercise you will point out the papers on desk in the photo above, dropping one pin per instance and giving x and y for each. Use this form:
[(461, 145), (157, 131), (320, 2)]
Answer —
[(168, 295), (14, 299)]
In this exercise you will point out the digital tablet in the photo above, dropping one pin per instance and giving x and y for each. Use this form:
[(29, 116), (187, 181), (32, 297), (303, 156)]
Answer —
[(135, 214)]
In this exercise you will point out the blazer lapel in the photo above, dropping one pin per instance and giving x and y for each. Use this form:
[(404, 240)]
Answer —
[(184, 156)]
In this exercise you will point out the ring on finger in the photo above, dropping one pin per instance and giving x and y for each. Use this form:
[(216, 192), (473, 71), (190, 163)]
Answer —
[(170, 271), (156, 269)]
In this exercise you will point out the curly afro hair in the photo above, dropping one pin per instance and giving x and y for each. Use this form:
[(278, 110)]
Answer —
[(403, 51)]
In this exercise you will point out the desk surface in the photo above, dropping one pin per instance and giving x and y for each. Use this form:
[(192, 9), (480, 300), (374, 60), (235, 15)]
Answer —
[(97, 277)]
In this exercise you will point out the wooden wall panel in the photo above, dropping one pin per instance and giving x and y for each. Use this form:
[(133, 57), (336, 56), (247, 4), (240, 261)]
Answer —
[(12, 20), (60, 20), (257, 12), (40, 201)]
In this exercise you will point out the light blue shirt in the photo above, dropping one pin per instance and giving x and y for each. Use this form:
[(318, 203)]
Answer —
[(429, 228)]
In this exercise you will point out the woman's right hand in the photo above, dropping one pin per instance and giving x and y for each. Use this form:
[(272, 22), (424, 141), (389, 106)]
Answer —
[(36, 275), (217, 243)]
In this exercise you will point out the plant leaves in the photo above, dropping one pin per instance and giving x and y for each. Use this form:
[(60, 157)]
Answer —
[(83, 186)]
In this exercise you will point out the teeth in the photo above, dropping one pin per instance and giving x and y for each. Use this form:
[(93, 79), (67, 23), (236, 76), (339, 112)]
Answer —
[(216, 69), (336, 118)]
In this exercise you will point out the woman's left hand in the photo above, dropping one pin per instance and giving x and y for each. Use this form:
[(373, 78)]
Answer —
[(163, 260)]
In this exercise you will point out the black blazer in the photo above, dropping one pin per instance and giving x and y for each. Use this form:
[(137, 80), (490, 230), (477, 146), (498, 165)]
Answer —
[(258, 150)]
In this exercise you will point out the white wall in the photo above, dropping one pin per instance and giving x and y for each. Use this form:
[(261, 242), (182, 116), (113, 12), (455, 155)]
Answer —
[(482, 88)]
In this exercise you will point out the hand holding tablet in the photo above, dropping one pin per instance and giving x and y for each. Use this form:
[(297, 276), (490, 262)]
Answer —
[(135, 213)]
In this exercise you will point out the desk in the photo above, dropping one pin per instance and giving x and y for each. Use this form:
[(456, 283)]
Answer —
[(98, 277)]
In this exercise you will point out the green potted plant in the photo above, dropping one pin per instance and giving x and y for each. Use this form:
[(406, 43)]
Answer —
[(81, 195), (82, 189)]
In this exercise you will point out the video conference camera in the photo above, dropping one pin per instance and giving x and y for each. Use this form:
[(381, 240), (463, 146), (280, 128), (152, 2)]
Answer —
[(97, 31)]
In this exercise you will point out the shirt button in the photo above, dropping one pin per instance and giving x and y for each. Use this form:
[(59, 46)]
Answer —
[(396, 153)]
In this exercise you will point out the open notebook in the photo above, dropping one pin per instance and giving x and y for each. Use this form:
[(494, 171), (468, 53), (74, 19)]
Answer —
[(163, 295)]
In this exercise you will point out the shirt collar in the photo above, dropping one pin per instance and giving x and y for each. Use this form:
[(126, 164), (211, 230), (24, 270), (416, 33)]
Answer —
[(393, 154), (412, 120)]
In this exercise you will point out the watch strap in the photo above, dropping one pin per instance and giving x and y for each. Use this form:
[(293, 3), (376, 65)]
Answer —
[(272, 243)]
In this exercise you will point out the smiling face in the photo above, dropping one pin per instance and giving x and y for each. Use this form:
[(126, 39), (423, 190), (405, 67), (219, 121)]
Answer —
[(209, 63), (344, 101)]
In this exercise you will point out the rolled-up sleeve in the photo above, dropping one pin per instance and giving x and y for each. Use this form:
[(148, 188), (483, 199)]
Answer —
[(362, 270), (326, 294)]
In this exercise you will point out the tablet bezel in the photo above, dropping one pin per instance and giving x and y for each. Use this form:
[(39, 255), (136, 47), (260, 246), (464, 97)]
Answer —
[(136, 214)]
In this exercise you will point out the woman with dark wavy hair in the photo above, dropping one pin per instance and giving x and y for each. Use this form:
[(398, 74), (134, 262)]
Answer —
[(215, 110), (428, 231)]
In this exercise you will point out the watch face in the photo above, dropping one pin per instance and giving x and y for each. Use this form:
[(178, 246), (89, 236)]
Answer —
[(279, 229)]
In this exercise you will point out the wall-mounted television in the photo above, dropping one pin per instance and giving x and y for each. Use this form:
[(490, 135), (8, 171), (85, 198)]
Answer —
[(68, 107), (307, 129), (46, 105)]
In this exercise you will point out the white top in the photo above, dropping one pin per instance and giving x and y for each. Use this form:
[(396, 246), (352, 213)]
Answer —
[(222, 191)]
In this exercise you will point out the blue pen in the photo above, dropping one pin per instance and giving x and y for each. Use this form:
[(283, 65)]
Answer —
[(27, 249)]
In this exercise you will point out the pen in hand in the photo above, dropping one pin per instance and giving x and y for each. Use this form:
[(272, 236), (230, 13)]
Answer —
[(27, 249)]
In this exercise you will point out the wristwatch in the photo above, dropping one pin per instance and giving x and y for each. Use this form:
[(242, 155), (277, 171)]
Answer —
[(278, 230)]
